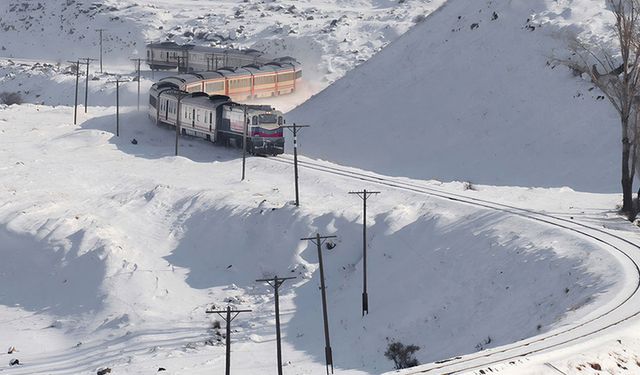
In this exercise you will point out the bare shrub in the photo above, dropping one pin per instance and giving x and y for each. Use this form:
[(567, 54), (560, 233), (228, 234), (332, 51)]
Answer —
[(401, 355)]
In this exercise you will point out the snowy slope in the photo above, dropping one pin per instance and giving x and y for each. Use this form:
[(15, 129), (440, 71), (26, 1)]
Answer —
[(469, 94), (328, 36), (113, 251)]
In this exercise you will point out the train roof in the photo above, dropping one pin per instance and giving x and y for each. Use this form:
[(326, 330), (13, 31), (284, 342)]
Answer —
[(203, 100)]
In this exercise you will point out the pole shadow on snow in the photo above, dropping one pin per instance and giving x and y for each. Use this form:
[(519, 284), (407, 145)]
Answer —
[(467, 286), (155, 142), (451, 289)]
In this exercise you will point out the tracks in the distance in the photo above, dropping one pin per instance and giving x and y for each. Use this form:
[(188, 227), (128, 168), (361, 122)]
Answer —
[(625, 306)]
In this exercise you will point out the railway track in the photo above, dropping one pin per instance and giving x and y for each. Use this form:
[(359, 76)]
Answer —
[(623, 307)]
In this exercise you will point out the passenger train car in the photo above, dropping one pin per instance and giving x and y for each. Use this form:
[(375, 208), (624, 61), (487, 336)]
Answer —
[(247, 82), (218, 119), (192, 58)]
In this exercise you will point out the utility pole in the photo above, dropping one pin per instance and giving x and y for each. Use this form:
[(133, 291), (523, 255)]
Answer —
[(138, 60), (365, 298), (117, 81), (228, 318), (319, 240), (86, 83), (180, 59), (100, 31), (275, 283), (244, 142), (295, 128), (179, 94), (75, 105)]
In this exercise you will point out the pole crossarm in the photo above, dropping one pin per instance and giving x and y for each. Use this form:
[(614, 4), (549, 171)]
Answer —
[(315, 239), (364, 194), (220, 312), (277, 281), (293, 128)]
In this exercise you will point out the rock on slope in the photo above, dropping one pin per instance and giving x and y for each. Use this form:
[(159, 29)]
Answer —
[(470, 94)]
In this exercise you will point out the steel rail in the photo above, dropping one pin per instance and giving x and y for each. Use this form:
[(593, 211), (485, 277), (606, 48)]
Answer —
[(521, 212)]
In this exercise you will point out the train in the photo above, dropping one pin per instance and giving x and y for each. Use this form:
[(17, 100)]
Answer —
[(278, 77), (240, 74), (191, 58), (218, 119)]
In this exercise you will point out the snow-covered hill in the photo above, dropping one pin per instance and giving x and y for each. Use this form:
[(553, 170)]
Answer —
[(112, 251), (472, 93), (329, 37)]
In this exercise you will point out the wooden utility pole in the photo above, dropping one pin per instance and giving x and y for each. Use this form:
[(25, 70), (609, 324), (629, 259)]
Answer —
[(244, 141), (319, 240), (75, 103), (86, 82), (100, 31), (138, 60), (275, 283), (365, 298), (117, 82), (228, 318), (179, 95), (294, 129)]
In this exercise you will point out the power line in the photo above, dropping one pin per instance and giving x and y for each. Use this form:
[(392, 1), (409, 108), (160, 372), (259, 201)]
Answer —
[(319, 240), (365, 298)]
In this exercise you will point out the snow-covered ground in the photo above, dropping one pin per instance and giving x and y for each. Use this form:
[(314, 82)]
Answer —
[(113, 251)]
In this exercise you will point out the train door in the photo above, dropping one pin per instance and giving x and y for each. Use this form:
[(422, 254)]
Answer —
[(166, 109)]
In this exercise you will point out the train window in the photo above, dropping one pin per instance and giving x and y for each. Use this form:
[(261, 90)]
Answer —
[(255, 120), (279, 120), (214, 86)]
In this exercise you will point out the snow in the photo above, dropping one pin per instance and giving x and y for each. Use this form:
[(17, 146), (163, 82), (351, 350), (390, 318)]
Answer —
[(486, 104), (113, 251)]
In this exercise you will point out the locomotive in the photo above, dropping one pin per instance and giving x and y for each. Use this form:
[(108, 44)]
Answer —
[(217, 118)]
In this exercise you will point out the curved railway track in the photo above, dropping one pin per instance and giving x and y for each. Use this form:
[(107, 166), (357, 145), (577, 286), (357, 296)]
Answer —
[(623, 307)]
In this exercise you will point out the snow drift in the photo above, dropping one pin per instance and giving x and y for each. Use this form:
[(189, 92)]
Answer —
[(471, 93)]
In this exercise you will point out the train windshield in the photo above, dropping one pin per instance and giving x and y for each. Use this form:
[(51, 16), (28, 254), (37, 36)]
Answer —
[(268, 119)]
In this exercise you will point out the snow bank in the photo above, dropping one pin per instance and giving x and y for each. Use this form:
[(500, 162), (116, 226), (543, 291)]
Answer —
[(471, 94)]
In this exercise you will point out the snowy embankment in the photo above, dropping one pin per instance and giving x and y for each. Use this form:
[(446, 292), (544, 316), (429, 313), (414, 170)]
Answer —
[(472, 94), (113, 251)]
